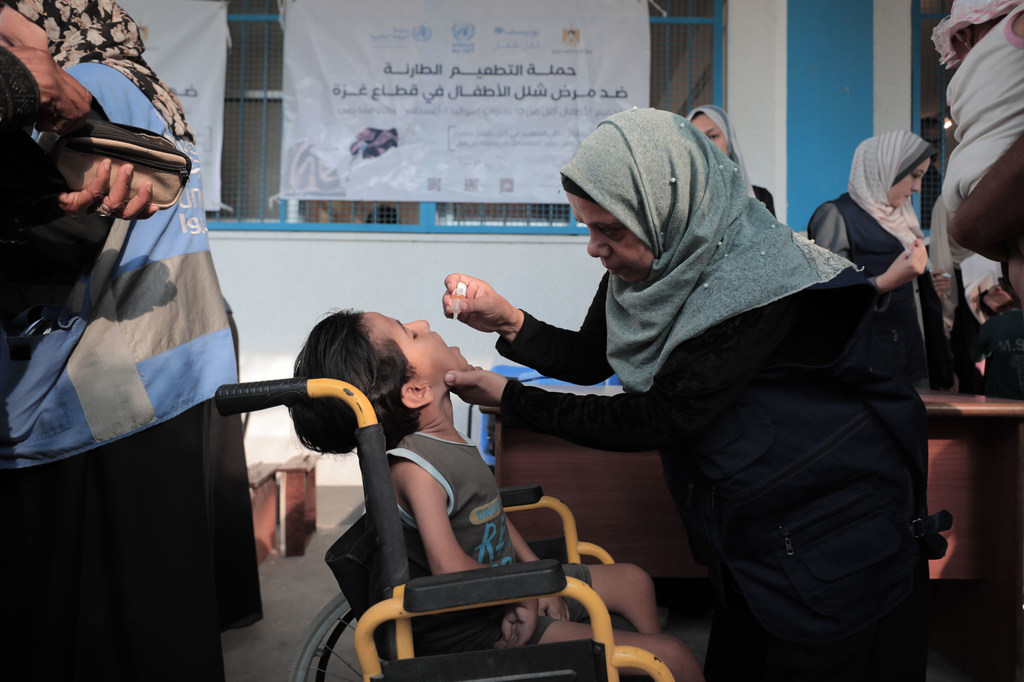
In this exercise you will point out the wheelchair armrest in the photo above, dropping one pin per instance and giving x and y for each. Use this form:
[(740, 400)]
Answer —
[(519, 495), (465, 588)]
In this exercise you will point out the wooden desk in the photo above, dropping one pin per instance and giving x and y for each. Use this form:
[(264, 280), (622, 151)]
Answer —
[(975, 471), (619, 499)]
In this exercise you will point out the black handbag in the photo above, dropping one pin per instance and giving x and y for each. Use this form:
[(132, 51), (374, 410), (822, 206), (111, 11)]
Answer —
[(78, 154)]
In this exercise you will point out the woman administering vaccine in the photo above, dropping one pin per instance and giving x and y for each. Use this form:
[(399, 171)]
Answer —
[(740, 347)]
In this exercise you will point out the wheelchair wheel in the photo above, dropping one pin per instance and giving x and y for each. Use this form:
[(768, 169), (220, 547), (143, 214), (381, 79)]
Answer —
[(326, 651)]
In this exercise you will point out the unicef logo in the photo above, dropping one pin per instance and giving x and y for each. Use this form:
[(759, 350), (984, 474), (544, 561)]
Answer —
[(463, 32), (421, 33)]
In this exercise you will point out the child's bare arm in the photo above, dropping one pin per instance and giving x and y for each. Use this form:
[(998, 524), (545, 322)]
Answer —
[(552, 607), (423, 497), (522, 549)]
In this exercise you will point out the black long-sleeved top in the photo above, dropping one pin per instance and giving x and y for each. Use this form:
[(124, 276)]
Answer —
[(701, 377), (19, 94), (784, 450), (29, 182)]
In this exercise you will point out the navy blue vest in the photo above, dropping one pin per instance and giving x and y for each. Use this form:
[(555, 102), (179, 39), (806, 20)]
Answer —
[(895, 326), (812, 515)]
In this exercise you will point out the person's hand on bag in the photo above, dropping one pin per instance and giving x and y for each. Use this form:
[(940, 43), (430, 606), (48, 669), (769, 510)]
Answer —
[(63, 102), (95, 198)]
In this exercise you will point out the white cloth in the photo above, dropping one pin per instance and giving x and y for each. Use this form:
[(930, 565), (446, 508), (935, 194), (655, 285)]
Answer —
[(980, 274), (986, 99), (963, 14), (876, 164), (946, 256)]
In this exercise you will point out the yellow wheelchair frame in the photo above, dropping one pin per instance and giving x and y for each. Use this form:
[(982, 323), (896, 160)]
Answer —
[(465, 590)]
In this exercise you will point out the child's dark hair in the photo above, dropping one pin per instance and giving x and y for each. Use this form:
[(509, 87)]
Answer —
[(340, 347)]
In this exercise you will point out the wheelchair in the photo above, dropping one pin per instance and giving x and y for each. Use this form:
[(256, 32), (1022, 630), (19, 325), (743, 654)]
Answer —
[(345, 642)]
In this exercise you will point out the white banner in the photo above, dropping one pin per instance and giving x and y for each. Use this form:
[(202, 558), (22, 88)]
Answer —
[(187, 45), (452, 100)]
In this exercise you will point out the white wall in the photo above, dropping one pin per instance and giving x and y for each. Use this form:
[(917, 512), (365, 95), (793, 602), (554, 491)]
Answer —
[(893, 67), (755, 93), (280, 283)]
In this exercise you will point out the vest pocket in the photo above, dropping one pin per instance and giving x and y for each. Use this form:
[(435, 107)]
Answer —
[(34, 350), (736, 439), (843, 548)]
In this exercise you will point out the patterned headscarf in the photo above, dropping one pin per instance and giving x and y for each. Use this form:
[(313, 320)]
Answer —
[(879, 163), (100, 31), (717, 252), (966, 13), (732, 143)]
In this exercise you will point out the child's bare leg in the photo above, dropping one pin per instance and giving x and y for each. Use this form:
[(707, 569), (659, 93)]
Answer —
[(677, 656), (627, 590)]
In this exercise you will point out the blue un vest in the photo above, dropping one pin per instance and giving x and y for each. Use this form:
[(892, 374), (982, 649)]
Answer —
[(81, 384)]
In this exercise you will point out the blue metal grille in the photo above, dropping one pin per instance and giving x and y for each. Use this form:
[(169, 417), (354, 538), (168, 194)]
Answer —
[(931, 115), (686, 71)]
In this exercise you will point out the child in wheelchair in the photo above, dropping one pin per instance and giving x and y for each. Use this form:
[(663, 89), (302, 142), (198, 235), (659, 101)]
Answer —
[(448, 498)]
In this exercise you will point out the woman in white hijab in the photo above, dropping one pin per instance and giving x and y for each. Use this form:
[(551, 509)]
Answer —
[(714, 123), (875, 226)]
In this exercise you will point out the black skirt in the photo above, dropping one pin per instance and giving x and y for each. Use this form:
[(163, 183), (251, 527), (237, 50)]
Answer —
[(108, 561)]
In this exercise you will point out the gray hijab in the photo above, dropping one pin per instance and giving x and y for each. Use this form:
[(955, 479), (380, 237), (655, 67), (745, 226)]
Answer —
[(718, 116), (717, 252)]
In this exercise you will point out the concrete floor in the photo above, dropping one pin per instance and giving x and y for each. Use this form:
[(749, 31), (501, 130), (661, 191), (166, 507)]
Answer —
[(295, 588)]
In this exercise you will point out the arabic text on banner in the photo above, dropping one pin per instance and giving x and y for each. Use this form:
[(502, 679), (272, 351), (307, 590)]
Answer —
[(467, 102), (186, 44)]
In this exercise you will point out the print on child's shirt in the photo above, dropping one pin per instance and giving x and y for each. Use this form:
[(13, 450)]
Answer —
[(493, 520)]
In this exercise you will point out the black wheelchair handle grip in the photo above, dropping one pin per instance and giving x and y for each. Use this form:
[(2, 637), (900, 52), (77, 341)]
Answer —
[(259, 395)]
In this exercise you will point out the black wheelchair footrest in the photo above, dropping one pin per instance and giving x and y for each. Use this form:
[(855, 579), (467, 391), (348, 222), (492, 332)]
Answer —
[(575, 661), (465, 588)]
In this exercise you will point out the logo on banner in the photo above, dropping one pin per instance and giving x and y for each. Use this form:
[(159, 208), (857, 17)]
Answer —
[(463, 32), (570, 36), (400, 35)]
